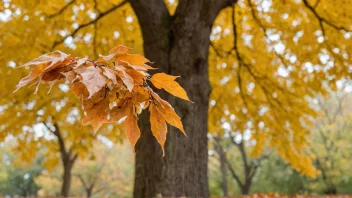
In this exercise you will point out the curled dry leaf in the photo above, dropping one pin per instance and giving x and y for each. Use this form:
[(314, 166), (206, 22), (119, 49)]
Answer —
[(111, 88)]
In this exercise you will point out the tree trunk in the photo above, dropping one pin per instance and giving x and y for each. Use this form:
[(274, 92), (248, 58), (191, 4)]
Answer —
[(223, 162), (179, 46), (89, 192), (246, 187), (66, 179), (68, 160)]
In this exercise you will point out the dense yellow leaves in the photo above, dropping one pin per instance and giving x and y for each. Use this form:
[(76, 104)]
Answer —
[(97, 85)]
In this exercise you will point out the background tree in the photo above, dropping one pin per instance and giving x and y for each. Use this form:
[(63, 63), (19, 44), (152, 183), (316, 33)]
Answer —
[(275, 175), (18, 180), (60, 141), (332, 135), (115, 179), (235, 147), (106, 173)]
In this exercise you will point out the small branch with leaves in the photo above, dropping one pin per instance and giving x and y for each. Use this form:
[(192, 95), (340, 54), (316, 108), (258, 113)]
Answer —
[(111, 88)]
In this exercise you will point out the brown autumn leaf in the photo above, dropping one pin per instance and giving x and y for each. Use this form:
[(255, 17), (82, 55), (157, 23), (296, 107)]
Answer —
[(44, 63), (92, 78), (158, 125), (97, 115), (70, 75), (51, 60), (96, 109), (120, 111), (33, 75), (79, 90), (111, 77), (167, 82), (126, 79)]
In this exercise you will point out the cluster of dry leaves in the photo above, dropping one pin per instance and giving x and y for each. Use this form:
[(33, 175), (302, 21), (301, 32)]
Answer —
[(111, 88)]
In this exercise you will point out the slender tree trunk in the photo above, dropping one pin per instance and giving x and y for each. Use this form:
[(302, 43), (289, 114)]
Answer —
[(89, 192), (68, 159), (179, 46), (66, 179), (246, 187), (223, 159)]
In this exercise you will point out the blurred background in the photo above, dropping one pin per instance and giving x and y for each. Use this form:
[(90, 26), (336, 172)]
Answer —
[(280, 116)]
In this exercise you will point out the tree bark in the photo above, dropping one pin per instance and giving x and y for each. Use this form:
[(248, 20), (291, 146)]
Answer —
[(179, 46)]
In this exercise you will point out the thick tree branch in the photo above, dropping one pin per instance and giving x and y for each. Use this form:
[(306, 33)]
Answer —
[(154, 19)]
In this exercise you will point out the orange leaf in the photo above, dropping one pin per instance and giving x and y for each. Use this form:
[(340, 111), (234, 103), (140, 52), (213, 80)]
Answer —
[(140, 94), (167, 82), (79, 89), (132, 129), (120, 49), (133, 59), (143, 67), (97, 115), (158, 125), (168, 112)]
